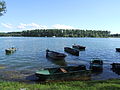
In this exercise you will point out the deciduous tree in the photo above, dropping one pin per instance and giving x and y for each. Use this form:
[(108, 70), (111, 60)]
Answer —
[(2, 7)]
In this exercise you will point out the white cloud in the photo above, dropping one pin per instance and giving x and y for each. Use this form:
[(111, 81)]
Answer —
[(10, 26), (31, 26), (21, 26), (59, 26), (34, 25)]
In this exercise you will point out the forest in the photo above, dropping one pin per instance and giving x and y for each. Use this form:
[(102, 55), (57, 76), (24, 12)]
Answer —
[(59, 33)]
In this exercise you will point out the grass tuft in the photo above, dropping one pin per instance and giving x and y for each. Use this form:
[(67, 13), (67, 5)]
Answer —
[(113, 84)]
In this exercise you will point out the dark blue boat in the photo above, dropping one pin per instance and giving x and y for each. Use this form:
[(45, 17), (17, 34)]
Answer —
[(116, 68), (55, 55), (96, 64), (116, 65), (71, 51), (118, 49), (79, 47)]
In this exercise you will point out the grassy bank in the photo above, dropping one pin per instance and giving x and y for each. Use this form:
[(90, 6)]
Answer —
[(73, 85)]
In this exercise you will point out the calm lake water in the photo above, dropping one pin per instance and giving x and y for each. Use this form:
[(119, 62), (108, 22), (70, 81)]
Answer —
[(31, 56)]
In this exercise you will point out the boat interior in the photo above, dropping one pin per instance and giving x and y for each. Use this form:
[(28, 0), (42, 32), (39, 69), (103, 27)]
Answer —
[(67, 69)]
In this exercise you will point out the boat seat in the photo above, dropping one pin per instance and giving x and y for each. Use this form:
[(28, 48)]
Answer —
[(63, 70)]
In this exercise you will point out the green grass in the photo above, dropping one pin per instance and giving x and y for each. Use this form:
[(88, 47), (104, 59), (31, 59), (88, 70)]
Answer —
[(72, 85)]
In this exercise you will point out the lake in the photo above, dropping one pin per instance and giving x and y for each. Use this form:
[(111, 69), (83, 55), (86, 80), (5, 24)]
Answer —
[(31, 55)]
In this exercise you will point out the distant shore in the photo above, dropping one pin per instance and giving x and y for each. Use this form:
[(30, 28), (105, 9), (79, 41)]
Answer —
[(59, 33)]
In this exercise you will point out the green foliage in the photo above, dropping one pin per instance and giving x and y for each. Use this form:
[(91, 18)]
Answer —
[(65, 33), (59, 33), (2, 7), (115, 35), (11, 34), (71, 85)]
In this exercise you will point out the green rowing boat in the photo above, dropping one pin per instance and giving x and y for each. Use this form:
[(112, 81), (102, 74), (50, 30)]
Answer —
[(64, 73)]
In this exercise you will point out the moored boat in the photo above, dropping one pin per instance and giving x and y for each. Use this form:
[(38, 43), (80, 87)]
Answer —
[(96, 64), (55, 55), (115, 65), (71, 51), (10, 50), (116, 68), (64, 73), (79, 47), (118, 49)]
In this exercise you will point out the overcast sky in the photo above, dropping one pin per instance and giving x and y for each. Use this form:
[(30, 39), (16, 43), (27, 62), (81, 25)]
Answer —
[(61, 14)]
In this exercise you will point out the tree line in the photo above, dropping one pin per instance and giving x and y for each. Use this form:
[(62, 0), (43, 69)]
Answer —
[(115, 35), (65, 33), (59, 33), (14, 34)]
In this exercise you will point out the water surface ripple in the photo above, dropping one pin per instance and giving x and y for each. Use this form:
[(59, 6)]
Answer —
[(30, 55)]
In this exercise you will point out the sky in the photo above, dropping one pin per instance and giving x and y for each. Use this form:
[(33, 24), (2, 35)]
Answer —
[(61, 14)]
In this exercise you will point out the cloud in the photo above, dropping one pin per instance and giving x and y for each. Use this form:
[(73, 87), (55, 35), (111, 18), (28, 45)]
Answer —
[(10, 26), (21, 26), (35, 26), (31, 26), (59, 26)]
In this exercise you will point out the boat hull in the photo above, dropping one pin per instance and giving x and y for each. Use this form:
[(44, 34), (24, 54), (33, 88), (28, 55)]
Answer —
[(64, 73), (116, 68), (96, 65), (10, 50), (116, 65), (81, 75), (71, 51), (117, 49), (78, 47), (55, 55)]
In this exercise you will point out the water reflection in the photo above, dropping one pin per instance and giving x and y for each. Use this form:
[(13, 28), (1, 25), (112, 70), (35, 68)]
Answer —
[(58, 62), (9, 53), (96, 72), (117, 71), (116, 68), (96, 69), (31, 54)]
